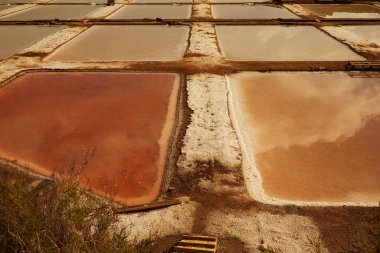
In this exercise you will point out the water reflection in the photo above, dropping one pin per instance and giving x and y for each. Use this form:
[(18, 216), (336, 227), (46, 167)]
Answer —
[(280, 43), (315, 136), (51, 118)]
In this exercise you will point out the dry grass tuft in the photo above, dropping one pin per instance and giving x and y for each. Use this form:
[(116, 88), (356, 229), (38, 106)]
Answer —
[(58, 215)]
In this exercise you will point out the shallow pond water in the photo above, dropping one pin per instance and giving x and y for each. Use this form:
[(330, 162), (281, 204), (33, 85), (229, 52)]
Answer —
[(125, 43), (15, 38), (47, 120), (313, 136), (51, 12), (152, 11), (344, 11), (250, 12), (280, 43), (368, 32)]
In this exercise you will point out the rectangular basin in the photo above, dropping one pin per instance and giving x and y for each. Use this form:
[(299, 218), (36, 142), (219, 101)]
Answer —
[(48, 120), (15, 38), (371, 33), (51, 12), (280, 43), (250, 12), (311, 136), (344, 10), (152, 12), (125, 43)]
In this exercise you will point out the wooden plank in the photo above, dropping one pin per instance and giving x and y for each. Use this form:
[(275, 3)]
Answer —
[(148, 207), (199, 237), (366, 65), (199, 242), (196, 244), (193, 249)]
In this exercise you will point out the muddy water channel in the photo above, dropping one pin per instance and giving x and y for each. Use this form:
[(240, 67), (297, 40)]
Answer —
[(313, 136), (280, 43), (344, 11), (50, 119)]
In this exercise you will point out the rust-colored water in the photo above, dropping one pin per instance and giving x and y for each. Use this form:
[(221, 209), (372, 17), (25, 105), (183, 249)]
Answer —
[(48, 119), (344, 10), (250, 12), (314, 136)]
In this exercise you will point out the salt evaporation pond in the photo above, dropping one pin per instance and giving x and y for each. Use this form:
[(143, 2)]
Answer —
[(370, 33), (313, 136), (344, 10), (80, 1), (161, 1), (49, 119), (4, 7), (15, 38), (239, 1), (280, 43), (50, 12), (250, 12), (156, 11), (125, 43)]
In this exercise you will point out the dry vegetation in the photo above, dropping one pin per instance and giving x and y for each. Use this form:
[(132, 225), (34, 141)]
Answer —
[(58, 216)]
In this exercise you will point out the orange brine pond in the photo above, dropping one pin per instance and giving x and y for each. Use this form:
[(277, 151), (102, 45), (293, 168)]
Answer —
[(313, 136), (50, 119)]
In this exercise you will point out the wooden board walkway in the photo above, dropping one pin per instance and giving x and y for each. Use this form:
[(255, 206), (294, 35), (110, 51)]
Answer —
[(148, 207), (363, 65), (196, 244)]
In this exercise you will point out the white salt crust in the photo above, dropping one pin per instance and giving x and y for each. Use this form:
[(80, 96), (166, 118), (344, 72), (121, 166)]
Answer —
[(173, 220), (282, 233), (202, 11), (104, 11), (16, 8), (209, 136), (355, 41), (299, 10)]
